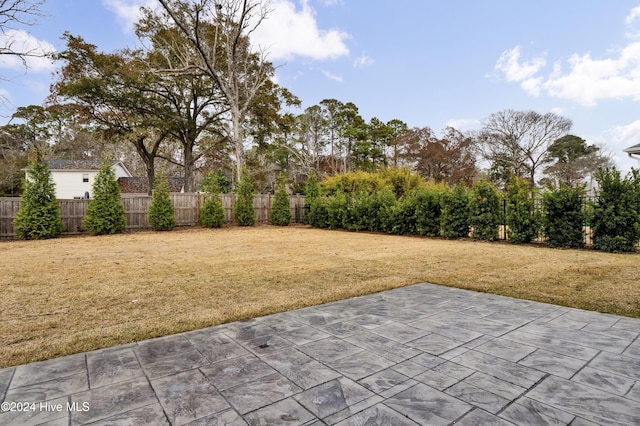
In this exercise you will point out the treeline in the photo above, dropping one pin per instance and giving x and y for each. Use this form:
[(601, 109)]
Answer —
[(399, 202)]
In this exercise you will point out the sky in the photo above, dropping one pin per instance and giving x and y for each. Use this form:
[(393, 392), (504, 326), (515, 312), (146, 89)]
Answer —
[(433, 63)]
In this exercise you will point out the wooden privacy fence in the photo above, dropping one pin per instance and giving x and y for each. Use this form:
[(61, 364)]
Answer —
[(187, 211)]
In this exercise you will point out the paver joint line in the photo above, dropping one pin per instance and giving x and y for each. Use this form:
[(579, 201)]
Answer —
[(421, 354)]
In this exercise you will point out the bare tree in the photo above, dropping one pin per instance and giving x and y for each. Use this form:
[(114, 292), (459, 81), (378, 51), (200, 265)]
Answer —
[(219, 30), (518, 140), (14, 14)]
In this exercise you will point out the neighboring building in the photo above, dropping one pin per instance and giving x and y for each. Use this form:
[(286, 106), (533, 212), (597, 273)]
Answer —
[(74, 178), (634, 151)]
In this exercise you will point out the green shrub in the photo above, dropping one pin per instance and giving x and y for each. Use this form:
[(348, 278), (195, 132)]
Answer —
[(281, 210), (311, 193), (484, 210), (318, 216), (401, 218), (455, 213), (244, 211), (212, 210), (105, 213), (563, 217), (428, 212), (161, 212), (39, 214), (337, 210), (358, 211), (523, 222), (616, 222)]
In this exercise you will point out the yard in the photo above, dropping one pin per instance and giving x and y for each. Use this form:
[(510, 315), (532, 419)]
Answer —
[(77, 294)]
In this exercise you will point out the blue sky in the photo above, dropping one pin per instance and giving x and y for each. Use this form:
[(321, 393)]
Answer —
[(427, 62)]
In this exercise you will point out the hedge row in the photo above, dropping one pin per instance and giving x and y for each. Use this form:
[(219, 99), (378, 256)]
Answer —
[(479, 212)]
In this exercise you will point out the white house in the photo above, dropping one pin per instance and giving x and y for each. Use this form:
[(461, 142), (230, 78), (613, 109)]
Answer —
[(74, 178), (634, 151)]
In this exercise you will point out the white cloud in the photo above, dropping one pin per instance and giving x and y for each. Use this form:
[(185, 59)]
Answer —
[(464, 124), (21, 41), (332, 76), (509, 64), (633, 15), (523, 73), (587, 79), (288, 32), (628, 134), (128, 11), (363, 61)]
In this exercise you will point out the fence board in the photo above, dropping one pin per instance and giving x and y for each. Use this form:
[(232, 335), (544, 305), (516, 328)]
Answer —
[(187, 211)]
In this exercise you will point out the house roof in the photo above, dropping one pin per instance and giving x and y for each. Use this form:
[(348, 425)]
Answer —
[(635, 149), (84, 165), (140, 185)]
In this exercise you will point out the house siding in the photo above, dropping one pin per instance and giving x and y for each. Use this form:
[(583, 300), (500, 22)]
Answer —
[(69, 184)]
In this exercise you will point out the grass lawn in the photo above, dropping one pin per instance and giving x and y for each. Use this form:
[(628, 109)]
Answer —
[(77, 294)]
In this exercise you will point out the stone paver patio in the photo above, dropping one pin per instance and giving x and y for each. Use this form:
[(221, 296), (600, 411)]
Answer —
[(422, 354)]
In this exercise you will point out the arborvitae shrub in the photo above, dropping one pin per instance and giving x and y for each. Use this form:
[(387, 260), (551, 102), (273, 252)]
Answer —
[(484, 210), (161, 211), (616, 222), (523, 222), (39, 214), (244, 211), (280, 210), (105, 213), (564, 217), (427, 212), (212, 210), (455, 213)]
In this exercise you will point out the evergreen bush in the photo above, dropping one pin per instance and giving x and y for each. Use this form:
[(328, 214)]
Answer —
[(455, 213), (244, 211), (212, 210), (523, 222), (319, 212), (564, 217), (161, 211), (337, 210), (311, 193), (428, 212), (484, 210), (401, 219), (39, 213), (281, 210), (105, 213), (616, 222)]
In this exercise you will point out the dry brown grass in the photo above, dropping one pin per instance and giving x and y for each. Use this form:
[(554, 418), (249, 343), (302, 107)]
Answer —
[(70, 295)]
